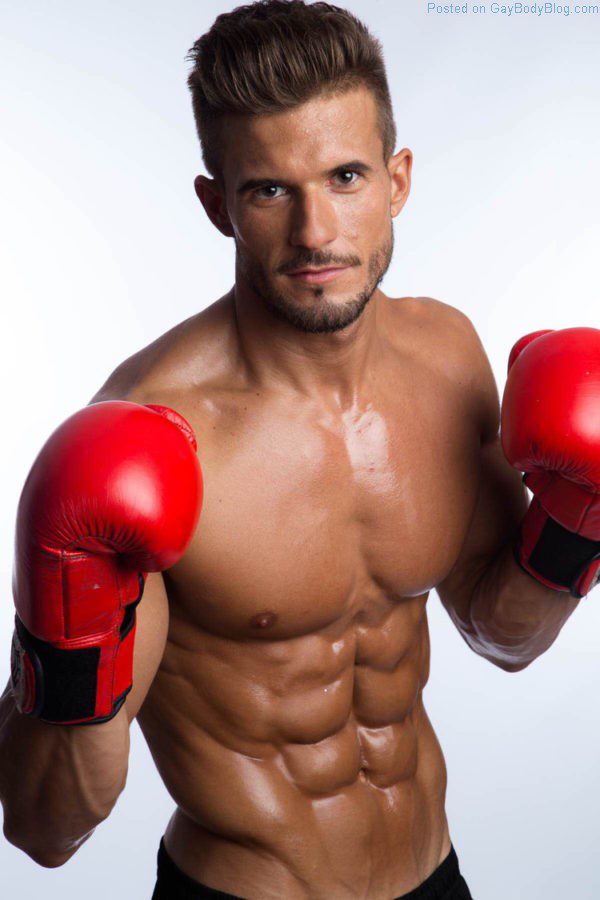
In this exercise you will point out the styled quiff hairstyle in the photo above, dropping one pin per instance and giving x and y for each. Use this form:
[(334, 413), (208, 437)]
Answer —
[(273, 55)]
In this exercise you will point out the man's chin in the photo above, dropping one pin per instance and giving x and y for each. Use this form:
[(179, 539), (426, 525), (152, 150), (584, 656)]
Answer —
[(321, 315)]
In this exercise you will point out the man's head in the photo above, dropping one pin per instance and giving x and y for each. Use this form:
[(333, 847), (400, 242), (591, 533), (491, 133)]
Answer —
[(296, 127)]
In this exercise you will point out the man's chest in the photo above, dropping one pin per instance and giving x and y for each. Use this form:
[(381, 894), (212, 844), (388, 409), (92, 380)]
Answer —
[(309, 518)]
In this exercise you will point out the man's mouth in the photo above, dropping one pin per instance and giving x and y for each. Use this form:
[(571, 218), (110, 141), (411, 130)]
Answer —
[(311, 275)]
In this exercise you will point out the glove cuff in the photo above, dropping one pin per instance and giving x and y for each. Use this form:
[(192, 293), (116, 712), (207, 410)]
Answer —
[(67, 685), (555, 556)]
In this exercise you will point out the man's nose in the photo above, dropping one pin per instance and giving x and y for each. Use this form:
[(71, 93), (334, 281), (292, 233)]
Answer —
[(314, 221)]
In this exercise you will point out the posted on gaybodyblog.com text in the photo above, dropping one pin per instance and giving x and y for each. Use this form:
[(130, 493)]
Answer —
[(513, 10)]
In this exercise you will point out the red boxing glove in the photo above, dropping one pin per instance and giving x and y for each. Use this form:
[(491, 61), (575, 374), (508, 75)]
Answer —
[(115, 493), (551, 431)]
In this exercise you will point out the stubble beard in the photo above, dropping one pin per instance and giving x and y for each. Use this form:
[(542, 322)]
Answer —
[(322, 316)]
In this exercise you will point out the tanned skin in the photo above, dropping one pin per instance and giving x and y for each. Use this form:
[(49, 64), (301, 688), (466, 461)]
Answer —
[(349, 445)]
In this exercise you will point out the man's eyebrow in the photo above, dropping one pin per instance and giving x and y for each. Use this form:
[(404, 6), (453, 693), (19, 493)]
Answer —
[(355, 164)]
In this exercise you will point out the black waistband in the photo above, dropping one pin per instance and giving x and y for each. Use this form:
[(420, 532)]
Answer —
[(439, 882), (173, 884)]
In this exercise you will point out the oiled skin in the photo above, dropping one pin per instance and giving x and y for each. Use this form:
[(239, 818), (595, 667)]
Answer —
[(287, 715)]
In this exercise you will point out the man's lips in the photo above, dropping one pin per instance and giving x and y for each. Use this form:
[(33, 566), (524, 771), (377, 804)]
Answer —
[(317, 275)]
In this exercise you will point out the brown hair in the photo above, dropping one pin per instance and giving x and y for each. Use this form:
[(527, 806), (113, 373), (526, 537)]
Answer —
[(273, 55)]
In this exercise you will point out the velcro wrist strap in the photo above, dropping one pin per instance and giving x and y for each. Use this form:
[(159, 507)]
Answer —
[(555, 556), (73, 685)]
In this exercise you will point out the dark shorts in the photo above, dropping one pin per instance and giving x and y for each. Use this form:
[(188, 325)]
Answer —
[(446, 883)]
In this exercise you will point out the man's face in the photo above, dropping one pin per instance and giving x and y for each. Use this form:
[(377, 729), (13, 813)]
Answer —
[(309, 188)]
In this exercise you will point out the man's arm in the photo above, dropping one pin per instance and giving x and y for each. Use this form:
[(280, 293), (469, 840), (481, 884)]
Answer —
[(503, 613), (58, 782)]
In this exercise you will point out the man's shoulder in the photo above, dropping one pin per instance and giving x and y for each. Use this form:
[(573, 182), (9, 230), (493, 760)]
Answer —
[(178, 360), (434, 313), (446, 339), (437, 329)]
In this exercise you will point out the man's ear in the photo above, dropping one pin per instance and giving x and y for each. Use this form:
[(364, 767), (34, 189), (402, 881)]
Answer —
[(212, 198), (399, 167)]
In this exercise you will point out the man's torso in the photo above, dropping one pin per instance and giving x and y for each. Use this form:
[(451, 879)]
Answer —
[(286, 718)]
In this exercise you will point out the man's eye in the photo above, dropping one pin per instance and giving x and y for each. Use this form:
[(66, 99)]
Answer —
[(347, 172), (267, 187)]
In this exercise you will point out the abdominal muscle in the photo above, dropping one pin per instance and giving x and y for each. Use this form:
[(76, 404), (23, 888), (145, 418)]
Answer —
[(301, 768)]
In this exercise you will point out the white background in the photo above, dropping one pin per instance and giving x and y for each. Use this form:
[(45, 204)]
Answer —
[(105, 246)]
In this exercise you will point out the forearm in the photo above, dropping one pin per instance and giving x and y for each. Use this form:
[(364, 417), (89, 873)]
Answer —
[(514, 618), (58, 782)]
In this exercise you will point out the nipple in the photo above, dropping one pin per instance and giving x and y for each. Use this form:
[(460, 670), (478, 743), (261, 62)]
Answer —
[(263, 620)]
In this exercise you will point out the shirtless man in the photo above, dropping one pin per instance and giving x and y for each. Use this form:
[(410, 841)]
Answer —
[(349, 447)]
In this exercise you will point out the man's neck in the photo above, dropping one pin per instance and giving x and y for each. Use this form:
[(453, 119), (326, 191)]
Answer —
[(331, 367)]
